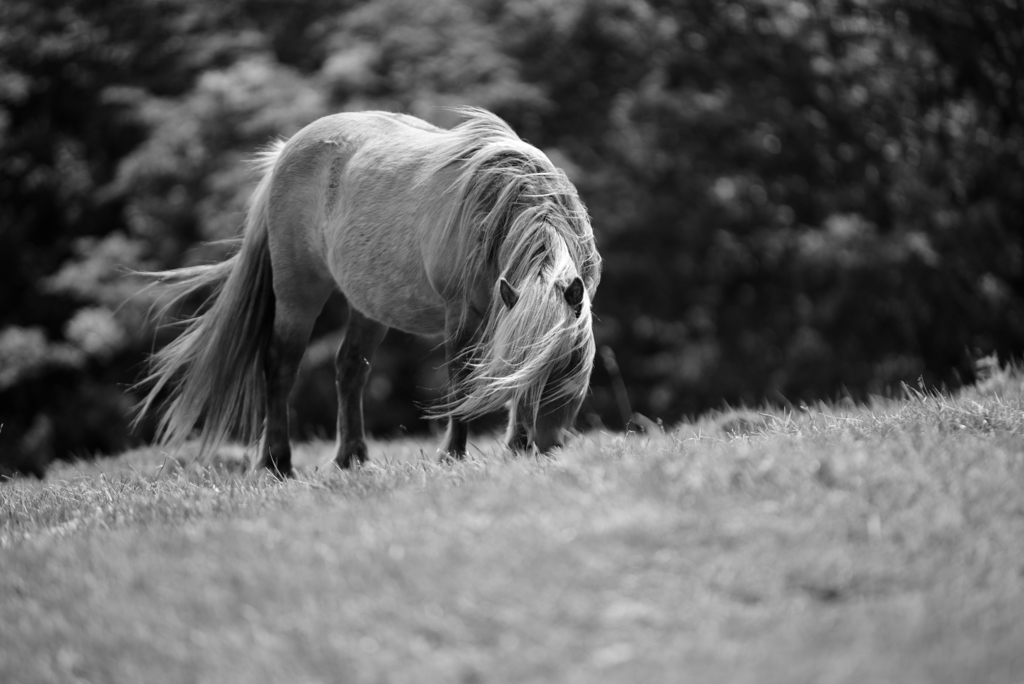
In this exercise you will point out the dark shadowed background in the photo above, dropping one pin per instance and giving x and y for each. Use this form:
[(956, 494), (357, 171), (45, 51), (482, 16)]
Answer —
[(795, 199)]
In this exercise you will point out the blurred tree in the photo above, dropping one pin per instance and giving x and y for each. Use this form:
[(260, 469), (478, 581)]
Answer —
[(766, 197), (419, 57), (72, 77), (795, 198)]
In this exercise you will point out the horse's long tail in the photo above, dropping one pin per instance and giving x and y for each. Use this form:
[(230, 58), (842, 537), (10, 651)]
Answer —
[(213, 372), (537, 348)]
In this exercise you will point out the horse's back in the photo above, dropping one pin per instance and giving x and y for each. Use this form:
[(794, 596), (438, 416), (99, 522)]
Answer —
[(357, 200), (361, 127)]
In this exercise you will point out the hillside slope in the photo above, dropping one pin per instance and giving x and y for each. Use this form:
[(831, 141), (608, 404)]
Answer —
[(830, 544)]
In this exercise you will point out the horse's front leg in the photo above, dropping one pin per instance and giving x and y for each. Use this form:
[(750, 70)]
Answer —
[(457, 345), (362, 336), (517, 435)]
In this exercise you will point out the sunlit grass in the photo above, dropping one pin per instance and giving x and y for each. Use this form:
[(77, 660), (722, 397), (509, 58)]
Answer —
[(839, 543)]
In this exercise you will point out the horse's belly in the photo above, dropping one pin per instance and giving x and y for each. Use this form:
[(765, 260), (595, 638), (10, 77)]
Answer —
[(403, 308), (388, 285)]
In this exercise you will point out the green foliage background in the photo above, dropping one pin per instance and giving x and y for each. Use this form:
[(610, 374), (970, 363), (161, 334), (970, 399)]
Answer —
[(796, 199)]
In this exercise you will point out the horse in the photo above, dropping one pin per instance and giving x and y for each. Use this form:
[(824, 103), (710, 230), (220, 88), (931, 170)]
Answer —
[(468, 234)]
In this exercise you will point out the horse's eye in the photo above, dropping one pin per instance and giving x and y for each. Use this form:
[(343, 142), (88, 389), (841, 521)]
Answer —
[(574, 296)]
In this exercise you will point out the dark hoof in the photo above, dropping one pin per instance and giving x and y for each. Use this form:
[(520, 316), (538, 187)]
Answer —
[(279, 470), (353, 455)]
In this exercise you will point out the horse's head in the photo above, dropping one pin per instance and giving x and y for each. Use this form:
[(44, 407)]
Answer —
[(533, 270), (547, 337)]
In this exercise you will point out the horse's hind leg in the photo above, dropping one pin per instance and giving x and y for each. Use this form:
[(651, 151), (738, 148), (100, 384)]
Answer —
[(352, 363), (297, 304)]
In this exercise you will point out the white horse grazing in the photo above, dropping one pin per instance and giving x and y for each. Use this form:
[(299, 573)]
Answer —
[(468, 233)]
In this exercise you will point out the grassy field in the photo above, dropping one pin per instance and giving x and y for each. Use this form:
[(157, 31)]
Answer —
[(831, 544)]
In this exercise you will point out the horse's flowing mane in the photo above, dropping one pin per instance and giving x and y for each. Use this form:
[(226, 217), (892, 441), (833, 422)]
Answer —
[(519, 217), (501, 176)]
